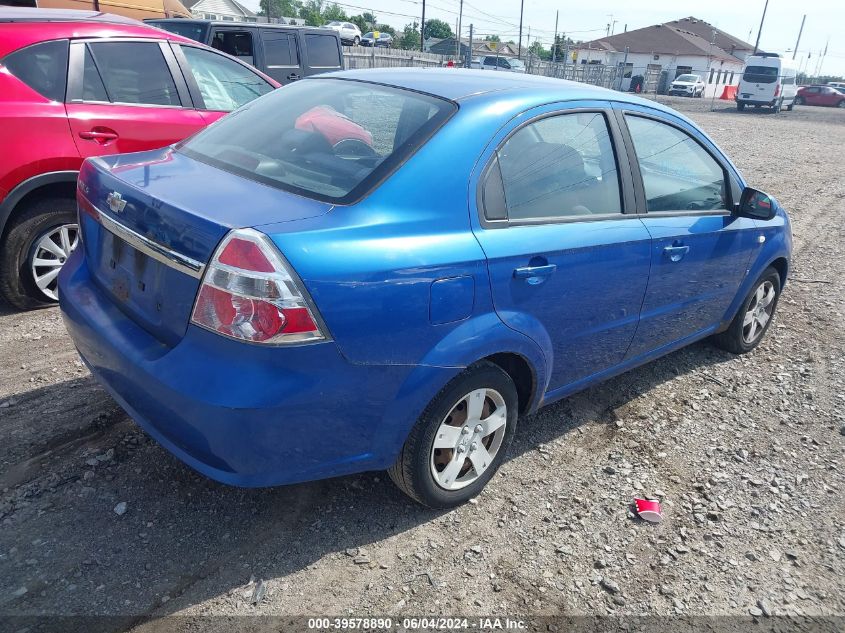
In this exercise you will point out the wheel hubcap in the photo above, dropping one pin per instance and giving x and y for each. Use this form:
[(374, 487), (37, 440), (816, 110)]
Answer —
[(468, 439), (759, 312), (49, 255)]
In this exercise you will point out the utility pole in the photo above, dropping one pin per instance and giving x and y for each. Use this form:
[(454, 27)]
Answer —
[(801, 30), (554, 43), (468, 60), (422, 28), (519, 47), (760, 30), (460, 16), (624, 68)]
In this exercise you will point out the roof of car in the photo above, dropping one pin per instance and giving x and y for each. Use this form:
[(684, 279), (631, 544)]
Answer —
[(229, 23), (24, 14), (25, 27), (461, 83)]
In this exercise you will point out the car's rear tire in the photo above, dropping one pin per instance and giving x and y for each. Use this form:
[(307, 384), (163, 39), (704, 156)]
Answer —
[(841, 104), (35, 226), (356, 41), (740, 106), (754, 317), (440, 467)]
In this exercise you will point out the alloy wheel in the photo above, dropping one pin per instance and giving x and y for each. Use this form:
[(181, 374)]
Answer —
[(759, 312), (468, 439), (49, 254)]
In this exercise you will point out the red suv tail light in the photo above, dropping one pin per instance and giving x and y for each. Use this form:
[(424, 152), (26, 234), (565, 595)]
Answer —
[(249, 293), (777, 90)]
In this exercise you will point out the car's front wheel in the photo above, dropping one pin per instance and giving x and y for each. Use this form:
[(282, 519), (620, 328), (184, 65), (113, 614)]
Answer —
[(754, 317), (799, 101), (460, 440), (34, 249)]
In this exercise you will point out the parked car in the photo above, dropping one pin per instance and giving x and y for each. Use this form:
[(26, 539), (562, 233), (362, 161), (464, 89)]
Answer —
[(821, 96), (767, 80), (277, 299), (76, 84), (384, 39), (839, 85), (349, 33), (687, 86), (510, 64), (284, 52)]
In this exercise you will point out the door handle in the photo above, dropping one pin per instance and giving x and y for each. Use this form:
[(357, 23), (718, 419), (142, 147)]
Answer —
[(534, 272), (293, 77), (676, 253), (99, 136)]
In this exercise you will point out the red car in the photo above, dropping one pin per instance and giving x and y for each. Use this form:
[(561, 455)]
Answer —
[(76, 84), (820, 96)]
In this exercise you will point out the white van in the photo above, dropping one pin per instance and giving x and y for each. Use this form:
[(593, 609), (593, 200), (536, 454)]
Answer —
[(768, 80)]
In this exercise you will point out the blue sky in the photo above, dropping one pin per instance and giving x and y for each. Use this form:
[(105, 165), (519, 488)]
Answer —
[(587, 20)]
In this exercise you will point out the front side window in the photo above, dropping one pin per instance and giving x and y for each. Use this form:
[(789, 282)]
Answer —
[(224, 84), (329, 139), (560, 166), (235, 43), (42, 67), (322, 51), (128, 72), (677, 172)]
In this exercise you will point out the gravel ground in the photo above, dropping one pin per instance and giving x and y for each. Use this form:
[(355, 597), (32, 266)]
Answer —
[(745, 454)]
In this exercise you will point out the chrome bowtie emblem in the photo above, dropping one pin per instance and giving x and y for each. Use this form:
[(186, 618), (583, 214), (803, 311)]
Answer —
[(116, 202)]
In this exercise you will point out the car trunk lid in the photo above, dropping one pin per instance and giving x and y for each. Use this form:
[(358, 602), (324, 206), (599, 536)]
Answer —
[(151, 222)]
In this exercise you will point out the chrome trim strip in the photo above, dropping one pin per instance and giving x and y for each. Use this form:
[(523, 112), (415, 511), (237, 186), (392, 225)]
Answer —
[(158, 252)]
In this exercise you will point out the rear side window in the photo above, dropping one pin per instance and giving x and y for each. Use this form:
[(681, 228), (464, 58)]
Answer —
[(280, 50), (328, 139), (128, 72), (560, 166), (223, 83), (322, 51), (761, 74), (677, 172), (42, 67)]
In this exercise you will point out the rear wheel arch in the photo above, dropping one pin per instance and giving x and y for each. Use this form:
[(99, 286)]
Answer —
[(523, 375), (60, 184)]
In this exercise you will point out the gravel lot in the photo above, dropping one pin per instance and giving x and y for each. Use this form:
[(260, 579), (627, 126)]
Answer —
[(745, 454)]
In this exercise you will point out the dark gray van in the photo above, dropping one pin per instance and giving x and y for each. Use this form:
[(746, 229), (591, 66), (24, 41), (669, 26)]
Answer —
[(283, 51)]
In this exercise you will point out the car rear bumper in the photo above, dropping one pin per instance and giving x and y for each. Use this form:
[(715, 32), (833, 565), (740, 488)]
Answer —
[(242, 414), (756, 102)]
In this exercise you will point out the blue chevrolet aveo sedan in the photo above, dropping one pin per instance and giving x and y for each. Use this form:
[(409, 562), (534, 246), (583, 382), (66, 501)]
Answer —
[(384, 269)]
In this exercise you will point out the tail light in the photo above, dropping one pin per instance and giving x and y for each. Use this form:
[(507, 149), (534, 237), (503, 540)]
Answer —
[(249, 293), (777, 90)]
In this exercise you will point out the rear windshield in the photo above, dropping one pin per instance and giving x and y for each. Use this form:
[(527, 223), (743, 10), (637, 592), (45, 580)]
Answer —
[(761, 74), (329, 139), (190, 30)]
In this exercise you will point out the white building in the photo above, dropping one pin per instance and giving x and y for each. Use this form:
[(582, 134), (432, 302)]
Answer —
[(688, 45), (228, 10)]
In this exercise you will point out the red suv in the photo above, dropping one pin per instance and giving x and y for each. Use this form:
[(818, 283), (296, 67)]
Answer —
[(76, 84)]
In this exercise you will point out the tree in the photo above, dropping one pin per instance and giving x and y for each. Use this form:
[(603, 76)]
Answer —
[(410, 38), (386, 28), (360, 22), (437, 29), (312, 13), (536, 49), (280, 8), (492, 38), (334, 12), (370, 19)]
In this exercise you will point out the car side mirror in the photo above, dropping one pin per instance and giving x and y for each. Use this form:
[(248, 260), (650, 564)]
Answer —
[(756, 204)]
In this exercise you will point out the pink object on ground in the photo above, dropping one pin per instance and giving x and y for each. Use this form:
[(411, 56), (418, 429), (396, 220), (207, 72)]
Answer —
[(648, 510)]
